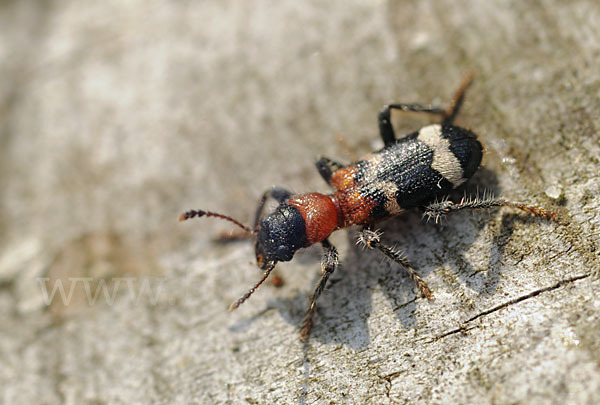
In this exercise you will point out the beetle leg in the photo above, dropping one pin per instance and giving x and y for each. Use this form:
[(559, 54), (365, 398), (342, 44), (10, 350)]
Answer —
[(457, 100), (372, 239), (449, 114), (329, 263), (326, 167), (386, 130), (278, 193), (438, 209)]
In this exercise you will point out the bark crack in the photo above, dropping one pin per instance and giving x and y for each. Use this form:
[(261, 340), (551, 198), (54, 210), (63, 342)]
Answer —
[(465, 327), (527, 296)]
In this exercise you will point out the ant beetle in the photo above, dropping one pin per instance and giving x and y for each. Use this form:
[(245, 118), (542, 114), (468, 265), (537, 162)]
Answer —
[(414, 171)]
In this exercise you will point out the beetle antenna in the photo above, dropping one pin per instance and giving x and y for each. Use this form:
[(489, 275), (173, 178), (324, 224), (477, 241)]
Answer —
[(200, 213), (244, 297)]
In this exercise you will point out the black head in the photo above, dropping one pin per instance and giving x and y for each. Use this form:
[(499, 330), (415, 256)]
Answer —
[(280, 235)]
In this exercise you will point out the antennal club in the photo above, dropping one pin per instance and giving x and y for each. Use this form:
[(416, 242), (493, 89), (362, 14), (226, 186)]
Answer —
[(242, 299), (200, 213)]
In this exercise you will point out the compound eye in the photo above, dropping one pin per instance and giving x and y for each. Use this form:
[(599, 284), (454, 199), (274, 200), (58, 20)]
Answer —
[(283, 253), (260, 260)]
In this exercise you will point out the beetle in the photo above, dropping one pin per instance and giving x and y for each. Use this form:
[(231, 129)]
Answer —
[(417, 170)]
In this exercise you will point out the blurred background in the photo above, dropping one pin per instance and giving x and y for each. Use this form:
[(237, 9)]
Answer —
[(117, 116)]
